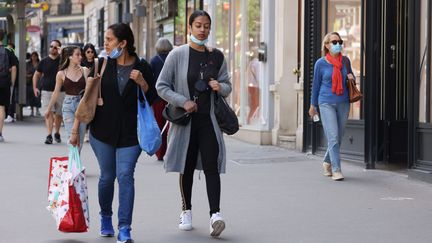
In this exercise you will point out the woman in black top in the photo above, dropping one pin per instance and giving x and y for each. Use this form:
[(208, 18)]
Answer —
[(113, 131), (31, 69), (89, 55)]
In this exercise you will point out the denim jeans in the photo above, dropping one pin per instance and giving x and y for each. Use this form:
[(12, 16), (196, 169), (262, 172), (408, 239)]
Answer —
[(116, 163), (70, 105), (334, 118)]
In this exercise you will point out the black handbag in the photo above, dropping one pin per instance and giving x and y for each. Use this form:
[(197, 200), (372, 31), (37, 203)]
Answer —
[(225, 116), (176, 115)]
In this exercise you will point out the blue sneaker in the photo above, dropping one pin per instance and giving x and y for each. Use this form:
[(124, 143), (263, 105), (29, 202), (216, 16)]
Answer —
[(107, 229), (124, 235)]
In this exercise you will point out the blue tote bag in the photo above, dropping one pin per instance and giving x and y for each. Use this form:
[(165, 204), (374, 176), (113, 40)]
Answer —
[(149, 136)]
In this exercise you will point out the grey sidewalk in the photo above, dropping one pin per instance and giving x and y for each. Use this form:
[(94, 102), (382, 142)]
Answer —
[(269, 194)]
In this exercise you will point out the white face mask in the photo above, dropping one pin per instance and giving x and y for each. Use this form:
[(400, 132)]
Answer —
[(198, 42)]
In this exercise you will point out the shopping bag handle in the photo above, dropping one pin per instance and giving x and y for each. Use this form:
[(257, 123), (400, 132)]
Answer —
[(74, 158)]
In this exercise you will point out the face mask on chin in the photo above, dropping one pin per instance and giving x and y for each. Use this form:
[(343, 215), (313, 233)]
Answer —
[(116, 53), (198, 42)]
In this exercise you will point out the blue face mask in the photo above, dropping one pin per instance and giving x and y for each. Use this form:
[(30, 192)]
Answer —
[(116, 53), (198, 42), (335, 49)]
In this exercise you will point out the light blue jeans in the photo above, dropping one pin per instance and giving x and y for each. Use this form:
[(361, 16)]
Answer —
[(334, 118), (70, 105), (116, 163)]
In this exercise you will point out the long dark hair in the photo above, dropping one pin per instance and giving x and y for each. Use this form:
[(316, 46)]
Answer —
[(66, 52), (86, 47), (196, 14), (123, 32), (37, 55)]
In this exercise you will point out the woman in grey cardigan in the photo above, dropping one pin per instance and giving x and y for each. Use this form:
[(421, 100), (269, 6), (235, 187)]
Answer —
[(199, 144)]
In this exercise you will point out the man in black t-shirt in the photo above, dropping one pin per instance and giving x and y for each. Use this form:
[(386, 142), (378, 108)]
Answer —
[(46, 72), (8, 74)]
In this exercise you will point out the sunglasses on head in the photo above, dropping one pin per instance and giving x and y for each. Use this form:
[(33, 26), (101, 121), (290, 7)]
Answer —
[(334, 42)]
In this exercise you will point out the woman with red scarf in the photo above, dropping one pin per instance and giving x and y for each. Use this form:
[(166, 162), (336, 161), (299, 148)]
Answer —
[(330, 95)]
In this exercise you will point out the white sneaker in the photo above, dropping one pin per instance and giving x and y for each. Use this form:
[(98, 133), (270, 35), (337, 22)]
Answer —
[(217, 224), (327, 169), (185, 220), (337, 176), (9, 119)]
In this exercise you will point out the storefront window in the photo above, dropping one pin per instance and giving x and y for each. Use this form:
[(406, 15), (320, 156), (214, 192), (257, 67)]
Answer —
[(180, 23), (425, 65), (344, 17), (246, 73)]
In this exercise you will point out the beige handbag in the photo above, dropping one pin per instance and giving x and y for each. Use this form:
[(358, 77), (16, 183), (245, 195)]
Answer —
[(92, 97)]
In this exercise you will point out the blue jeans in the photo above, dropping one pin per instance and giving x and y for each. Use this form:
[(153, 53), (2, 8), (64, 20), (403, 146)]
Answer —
[(70, 105), (334, 118), (116, 163)]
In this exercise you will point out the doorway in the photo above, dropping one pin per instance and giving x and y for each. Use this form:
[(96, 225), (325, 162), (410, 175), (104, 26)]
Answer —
[(393, 151)]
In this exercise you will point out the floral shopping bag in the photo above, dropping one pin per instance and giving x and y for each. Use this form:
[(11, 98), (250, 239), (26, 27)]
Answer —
[(68, 202)]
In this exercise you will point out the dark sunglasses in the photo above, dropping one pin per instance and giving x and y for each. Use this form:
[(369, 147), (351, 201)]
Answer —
[(334, 42), (89, 52), (54, 47)]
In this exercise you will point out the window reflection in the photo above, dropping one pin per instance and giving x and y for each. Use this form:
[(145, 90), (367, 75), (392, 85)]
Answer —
[(425, 87), (246, 73), (344, 17)]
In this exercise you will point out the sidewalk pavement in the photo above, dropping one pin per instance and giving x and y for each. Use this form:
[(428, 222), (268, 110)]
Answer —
[(269, 194)]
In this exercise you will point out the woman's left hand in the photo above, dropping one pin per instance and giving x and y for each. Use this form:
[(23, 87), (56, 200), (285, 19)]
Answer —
[(136, 76), (74, 139), (214, 84)]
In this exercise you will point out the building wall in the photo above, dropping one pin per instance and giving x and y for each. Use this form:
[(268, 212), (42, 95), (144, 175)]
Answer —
[(286, 97)]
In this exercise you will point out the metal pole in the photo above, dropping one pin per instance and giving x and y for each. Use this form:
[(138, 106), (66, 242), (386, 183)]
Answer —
[(22, 92)]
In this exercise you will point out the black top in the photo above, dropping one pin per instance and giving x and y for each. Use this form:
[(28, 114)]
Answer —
[(49, 68), (209, 63), (157, 63), (13, 61), (115, 123)]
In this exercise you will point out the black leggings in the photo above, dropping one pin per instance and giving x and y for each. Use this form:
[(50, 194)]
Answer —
[(202, 139)]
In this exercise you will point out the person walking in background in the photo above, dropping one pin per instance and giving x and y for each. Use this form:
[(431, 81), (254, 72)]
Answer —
[(72, 77), (113, 131), (32, 101), (199, 144), (89, 60), (46, 72), (163, 47), (330, 95), (11, 109), (89, 55), (8, 75)]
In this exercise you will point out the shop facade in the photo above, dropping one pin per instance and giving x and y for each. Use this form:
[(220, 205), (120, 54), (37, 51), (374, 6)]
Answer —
[(388, 43)]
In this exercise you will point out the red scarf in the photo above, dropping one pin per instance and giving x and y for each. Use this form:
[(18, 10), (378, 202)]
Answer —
[(337, 87)]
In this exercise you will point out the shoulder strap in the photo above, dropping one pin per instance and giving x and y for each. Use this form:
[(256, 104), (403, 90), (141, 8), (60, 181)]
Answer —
[(160, 58), (345, 62), (96, 66)]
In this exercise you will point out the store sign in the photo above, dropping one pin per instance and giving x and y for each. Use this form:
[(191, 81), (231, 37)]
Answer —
[(33, 28), (161, 10)]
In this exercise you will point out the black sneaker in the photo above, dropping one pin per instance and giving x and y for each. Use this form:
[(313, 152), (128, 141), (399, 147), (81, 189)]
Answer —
[(49, 139), (57, 137)]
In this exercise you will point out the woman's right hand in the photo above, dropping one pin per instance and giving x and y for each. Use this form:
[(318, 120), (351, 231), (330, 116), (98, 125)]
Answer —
[(190, 106), (312, 111), (48, 112)]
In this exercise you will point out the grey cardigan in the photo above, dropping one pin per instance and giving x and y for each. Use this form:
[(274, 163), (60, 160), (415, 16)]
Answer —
[(172, 86)]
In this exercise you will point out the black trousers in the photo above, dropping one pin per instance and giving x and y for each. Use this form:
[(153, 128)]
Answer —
[(203, 140)]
